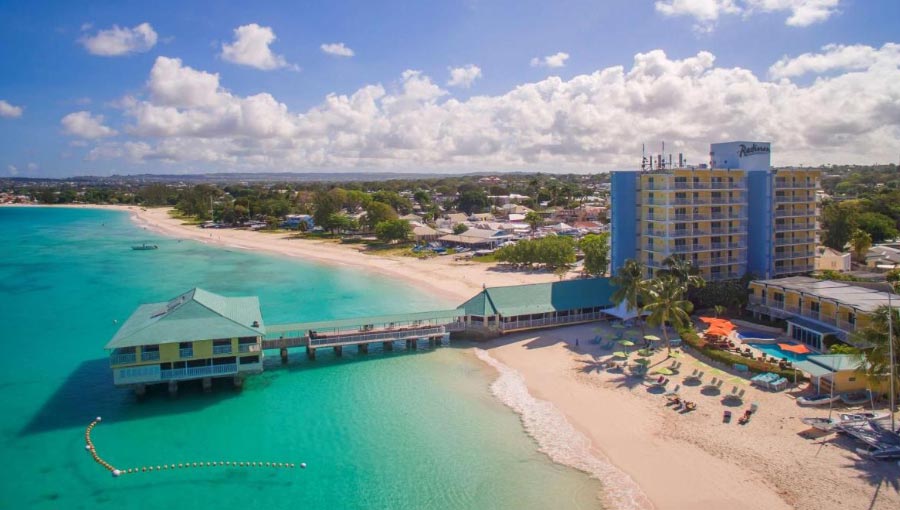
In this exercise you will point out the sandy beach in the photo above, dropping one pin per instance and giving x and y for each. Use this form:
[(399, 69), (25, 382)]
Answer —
[(443, 276), (615, 427), (692, 460)]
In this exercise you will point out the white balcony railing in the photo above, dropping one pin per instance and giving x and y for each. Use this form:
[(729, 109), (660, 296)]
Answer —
[(248, 347), (186, 353), (196, 372), (149, 355), (222, 349), (122, 359)]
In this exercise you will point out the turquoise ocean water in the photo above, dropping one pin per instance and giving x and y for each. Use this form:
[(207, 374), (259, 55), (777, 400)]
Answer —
[(399, 431)]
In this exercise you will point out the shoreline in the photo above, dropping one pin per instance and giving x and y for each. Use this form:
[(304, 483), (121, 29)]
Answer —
[(646, 455), (439, 276)]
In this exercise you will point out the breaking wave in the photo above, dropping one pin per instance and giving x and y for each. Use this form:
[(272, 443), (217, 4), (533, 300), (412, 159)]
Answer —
[(559, 440)]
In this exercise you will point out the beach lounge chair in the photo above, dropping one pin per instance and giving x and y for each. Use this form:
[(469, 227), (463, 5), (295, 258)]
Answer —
[(726, 416), (673, 392), (779, 384)]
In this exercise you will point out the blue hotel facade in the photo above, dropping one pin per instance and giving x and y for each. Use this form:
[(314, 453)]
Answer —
[(735, 216)]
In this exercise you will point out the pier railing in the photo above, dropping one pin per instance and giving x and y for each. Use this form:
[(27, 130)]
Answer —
[(361, 338), (550, 321), (194, 372)]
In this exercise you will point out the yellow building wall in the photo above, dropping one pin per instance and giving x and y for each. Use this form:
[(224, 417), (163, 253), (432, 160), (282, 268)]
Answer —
[(168, 353), (203, 349)]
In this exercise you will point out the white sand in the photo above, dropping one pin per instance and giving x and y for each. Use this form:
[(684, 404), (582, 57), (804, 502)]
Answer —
[(439, 275), (649, 455), (693, 461)]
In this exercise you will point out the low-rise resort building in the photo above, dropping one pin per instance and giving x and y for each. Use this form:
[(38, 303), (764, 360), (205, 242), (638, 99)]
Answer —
[(818, 312), (197, 335)]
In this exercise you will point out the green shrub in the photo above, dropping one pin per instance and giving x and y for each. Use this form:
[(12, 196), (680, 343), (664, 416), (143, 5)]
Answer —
[(689, 337)]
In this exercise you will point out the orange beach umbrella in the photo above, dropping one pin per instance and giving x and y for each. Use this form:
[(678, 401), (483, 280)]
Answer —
[(795, 348)]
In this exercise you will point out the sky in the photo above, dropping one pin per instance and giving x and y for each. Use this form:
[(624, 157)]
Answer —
[(100, 88)]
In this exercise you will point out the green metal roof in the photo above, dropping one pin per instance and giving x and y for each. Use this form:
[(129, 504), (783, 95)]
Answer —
[(541, 298), (194, 315), (356, 322)]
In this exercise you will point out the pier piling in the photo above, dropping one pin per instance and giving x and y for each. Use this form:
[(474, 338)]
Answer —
[(338, 350), (173, 388), (207, 384), (363, 348), (387, 346), (310, 352), (284, 354)]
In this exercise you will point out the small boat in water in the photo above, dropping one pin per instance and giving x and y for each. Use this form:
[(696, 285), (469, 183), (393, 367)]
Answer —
[(144, 247), (817, 400)]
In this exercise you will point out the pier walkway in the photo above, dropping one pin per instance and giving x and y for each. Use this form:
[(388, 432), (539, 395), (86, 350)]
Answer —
[(433, 326)]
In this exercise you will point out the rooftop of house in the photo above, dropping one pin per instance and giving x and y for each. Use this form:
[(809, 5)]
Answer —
[(861, 298), (195, 315)]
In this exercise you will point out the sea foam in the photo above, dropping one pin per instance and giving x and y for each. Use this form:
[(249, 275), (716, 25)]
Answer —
[(560, 441)]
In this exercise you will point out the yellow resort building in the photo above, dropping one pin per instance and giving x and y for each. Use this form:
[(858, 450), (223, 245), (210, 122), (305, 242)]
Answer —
[(735, 216), (197, 335), (817, 312)]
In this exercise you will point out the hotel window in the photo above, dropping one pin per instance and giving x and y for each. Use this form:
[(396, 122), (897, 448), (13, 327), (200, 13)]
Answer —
[(814, 307), (851, 318), (778, 297)]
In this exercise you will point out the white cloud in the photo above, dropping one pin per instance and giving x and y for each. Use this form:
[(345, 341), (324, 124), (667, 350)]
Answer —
[(32, 167), (837, 57), (707, 12), (12, 170), (803, 12), (337, 49), (555, 60), (464, 76), (9, 111), (251, 48), (85, 125), (117, 41), (590, 122)]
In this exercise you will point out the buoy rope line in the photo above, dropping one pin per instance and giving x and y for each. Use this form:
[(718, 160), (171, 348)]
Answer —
[(116, 472)]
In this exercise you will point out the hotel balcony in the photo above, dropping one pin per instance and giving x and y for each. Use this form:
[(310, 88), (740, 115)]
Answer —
[(790, 227), (846, 326), (222, 349), (784, 184), (796, 213), (790, 241), (784, 199), (248, 347), (149, 355), (186, 353), (122, 359), (792, 255), (728, 201)]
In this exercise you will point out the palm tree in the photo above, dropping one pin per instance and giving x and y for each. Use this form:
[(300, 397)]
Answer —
[(684, 272), (630, 287), (875, 360), (534, 220), (666, 304), (860, 242)]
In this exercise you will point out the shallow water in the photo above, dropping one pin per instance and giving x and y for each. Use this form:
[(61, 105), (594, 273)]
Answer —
[(401, 430)]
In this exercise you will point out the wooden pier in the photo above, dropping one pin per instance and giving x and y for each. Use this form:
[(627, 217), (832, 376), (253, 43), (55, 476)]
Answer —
[(432, 327)]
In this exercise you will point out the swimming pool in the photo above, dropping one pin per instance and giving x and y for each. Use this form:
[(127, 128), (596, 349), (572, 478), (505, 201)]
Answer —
[(747, 333), (776, 352)]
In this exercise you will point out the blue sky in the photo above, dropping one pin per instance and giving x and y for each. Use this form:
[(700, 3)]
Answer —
[(716, 63)]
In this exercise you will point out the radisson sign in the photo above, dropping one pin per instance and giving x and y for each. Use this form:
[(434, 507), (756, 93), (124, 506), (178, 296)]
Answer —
[(753, 149)]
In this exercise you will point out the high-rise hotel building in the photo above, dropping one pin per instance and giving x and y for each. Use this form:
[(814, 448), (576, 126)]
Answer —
[(734, 216)]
